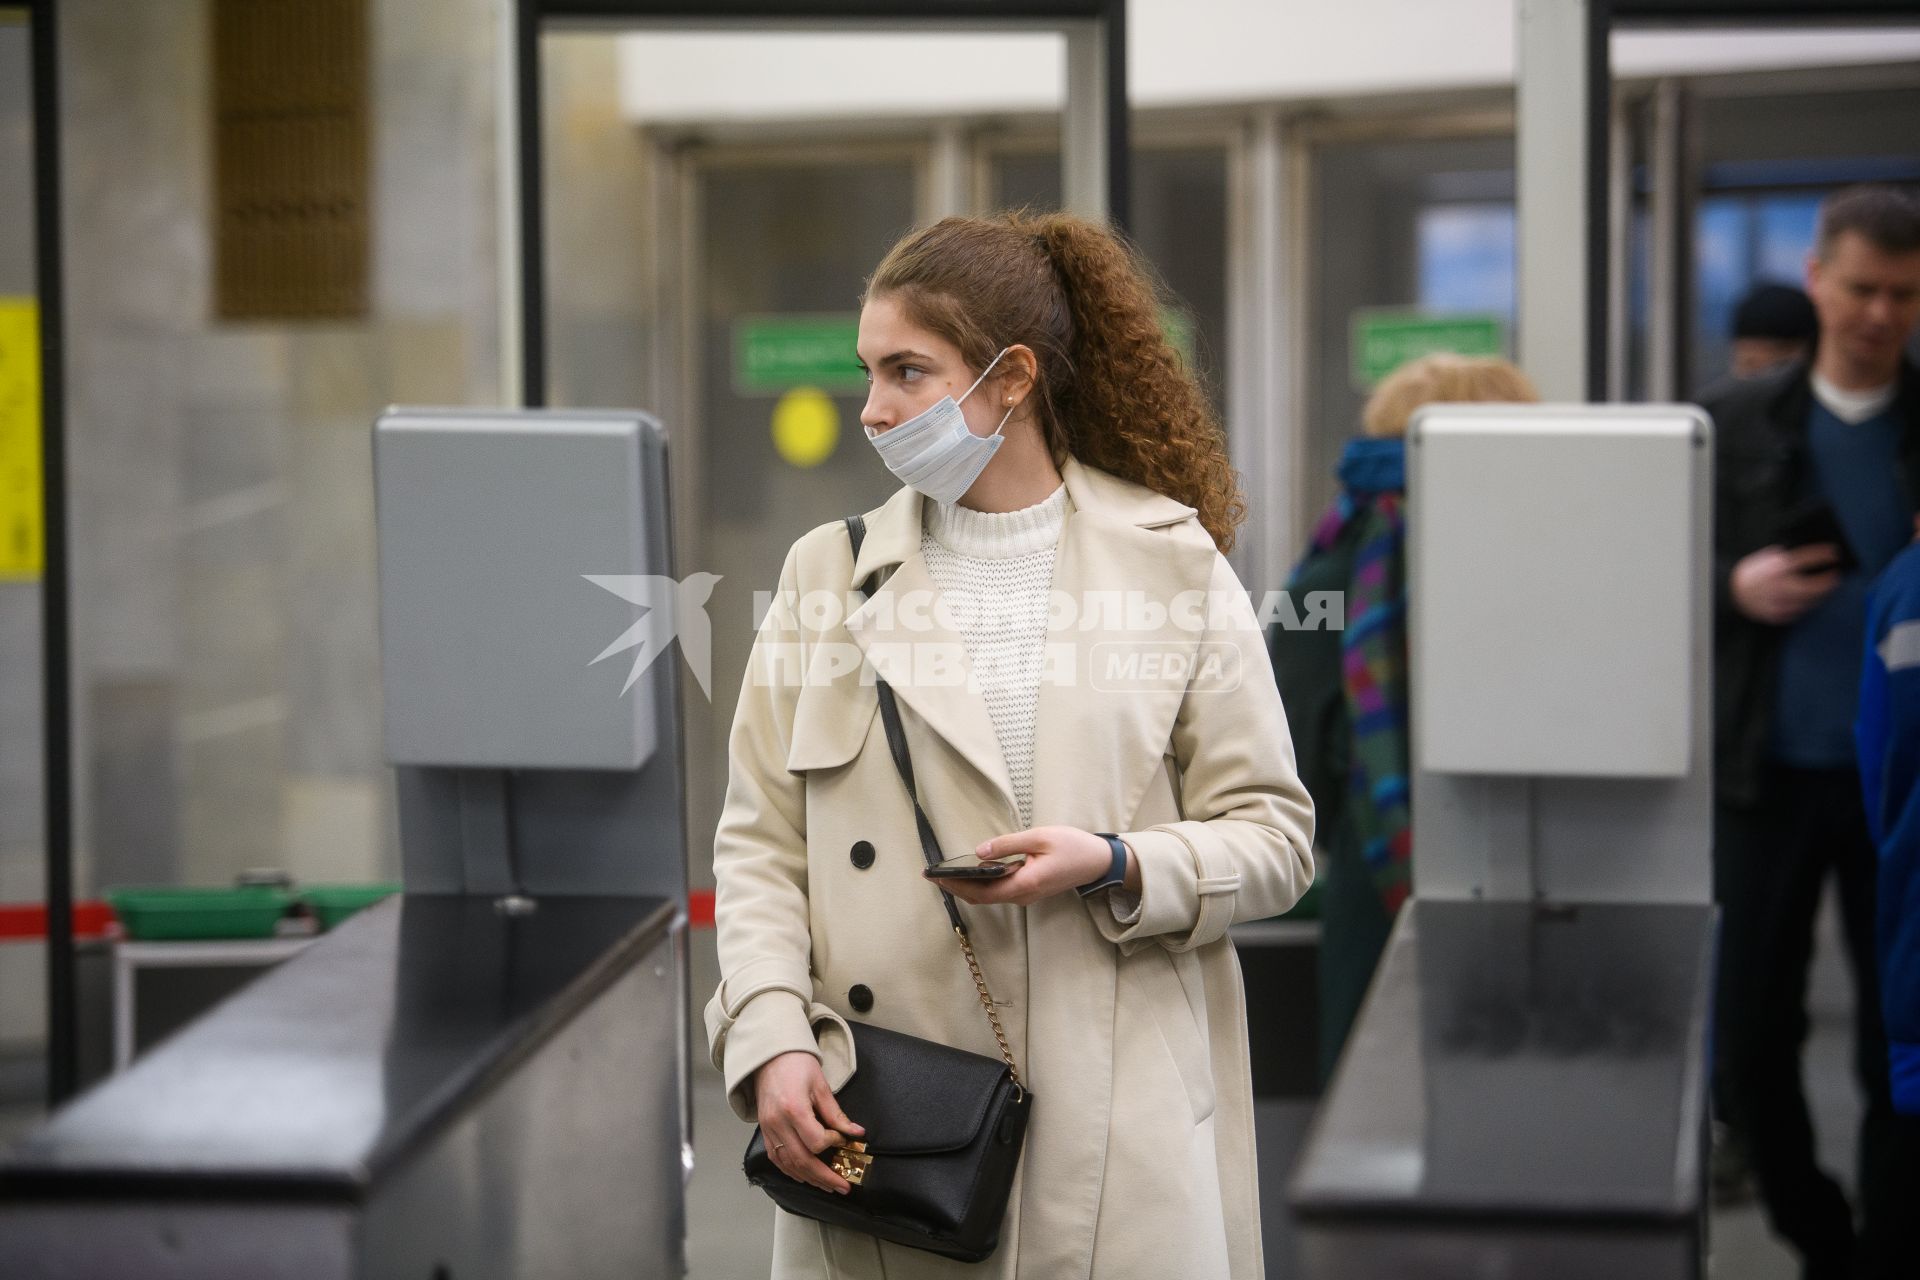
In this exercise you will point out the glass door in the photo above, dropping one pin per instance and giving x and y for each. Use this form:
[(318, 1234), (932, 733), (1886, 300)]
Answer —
[(780, 242), (1406, 222), (1768, 156)]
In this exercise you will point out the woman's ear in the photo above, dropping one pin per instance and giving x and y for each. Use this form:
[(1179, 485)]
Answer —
[(1019, 370)]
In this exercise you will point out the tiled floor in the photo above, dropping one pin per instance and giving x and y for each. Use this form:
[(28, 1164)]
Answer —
[(1742, 1246)]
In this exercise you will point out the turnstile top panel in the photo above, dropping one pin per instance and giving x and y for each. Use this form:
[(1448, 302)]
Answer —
[(324, 1073), (514, 556), (1517, 1062)]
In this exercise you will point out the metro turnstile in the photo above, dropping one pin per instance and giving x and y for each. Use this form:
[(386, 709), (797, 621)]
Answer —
[(1524, 1097), (433, 1091), (485, 1077), (1524, 1091)]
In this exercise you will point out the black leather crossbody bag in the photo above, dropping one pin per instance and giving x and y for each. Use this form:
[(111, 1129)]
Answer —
[(944, 1126)]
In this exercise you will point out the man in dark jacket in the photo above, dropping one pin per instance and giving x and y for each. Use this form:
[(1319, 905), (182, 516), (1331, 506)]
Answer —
[(1841, 433)]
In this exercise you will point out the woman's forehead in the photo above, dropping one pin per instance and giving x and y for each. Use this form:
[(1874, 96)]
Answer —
[(885, 330)]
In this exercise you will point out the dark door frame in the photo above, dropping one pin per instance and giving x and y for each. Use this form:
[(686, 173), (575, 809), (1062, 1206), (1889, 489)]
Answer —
[(55, 613), (1602, 17), (533, 16)]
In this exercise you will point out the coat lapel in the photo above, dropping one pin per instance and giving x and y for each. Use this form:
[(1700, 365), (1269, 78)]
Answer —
[(899, 632), (1107, 708), (1102, 724)]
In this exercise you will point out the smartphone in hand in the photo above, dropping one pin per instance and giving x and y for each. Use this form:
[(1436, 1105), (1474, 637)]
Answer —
[(971, 867), (1811, 523)]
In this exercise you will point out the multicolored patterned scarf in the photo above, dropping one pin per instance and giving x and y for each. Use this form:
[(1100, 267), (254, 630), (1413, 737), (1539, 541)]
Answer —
[(1373, 651)]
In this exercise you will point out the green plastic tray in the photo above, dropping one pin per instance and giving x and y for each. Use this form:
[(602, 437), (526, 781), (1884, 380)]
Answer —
[(332, 903), (179, 912)]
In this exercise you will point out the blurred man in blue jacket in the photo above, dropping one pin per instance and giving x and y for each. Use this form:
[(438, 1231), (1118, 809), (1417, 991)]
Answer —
[(1889, 737), (1887, 734)]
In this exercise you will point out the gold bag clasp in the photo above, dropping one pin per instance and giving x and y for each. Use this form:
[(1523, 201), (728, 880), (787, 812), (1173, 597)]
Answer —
[(851, 1162)]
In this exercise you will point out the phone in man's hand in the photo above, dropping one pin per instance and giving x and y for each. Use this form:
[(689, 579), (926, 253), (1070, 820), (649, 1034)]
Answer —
[(1811, 523)]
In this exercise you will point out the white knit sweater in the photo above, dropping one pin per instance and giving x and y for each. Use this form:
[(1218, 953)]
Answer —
[(996, 568)]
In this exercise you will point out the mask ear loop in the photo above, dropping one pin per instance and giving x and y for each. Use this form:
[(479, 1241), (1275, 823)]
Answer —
[(983, 375), (982, 378)]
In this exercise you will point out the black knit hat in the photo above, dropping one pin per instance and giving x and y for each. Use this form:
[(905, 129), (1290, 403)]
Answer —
[(1775, 311)]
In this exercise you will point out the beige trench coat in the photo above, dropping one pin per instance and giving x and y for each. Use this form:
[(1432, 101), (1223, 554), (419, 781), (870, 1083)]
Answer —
[(1139, 1161)]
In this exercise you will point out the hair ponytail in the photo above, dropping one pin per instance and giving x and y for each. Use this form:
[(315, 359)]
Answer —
[(1112, 390), (1134, 408)]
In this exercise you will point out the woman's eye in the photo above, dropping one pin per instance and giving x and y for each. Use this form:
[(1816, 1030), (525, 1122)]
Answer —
[(911, 372)]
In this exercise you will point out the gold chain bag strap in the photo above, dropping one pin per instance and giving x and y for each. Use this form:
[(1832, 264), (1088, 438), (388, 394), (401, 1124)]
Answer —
[(944, 1126)]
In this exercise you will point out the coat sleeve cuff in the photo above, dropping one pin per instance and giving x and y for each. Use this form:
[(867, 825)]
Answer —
[(1169, 898), (774, 1022), (769, 1024)]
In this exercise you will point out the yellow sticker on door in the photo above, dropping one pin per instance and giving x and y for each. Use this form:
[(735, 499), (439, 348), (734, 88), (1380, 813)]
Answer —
[(806, 426), (22, 519)]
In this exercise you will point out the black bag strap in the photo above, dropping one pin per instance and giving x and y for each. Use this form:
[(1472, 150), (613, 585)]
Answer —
[(929, 843), (897, 746)]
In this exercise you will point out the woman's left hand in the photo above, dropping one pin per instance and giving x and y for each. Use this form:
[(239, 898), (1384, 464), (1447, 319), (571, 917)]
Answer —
[(1058, 859)]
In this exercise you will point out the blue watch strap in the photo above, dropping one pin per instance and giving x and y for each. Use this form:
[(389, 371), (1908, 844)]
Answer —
[(1116, 870)]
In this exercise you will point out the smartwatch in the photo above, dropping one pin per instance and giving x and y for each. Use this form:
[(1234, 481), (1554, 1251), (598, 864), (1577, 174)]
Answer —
[(1116, 874)]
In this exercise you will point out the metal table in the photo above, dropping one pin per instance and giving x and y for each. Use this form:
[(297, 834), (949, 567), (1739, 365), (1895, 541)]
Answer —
[(431, 1089), (129, 957)]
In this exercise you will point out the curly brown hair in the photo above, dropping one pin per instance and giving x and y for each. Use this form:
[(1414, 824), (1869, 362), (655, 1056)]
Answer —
[(1112, 391)]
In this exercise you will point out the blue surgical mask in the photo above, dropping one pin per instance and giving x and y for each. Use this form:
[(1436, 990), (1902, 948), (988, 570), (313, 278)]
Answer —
[(935, 452)]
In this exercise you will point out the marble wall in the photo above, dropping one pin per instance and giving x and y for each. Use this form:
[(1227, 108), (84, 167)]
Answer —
[(603, 269), (22, 815), (226, 659)]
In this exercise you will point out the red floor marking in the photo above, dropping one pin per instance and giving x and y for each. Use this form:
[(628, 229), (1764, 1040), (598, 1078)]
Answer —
[(27, 921)]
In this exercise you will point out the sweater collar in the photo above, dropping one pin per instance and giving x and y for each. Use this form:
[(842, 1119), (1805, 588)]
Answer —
[(998, 535), (893, 529)]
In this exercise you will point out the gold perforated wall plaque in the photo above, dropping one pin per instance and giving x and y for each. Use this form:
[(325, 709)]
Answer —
[(290, 159)]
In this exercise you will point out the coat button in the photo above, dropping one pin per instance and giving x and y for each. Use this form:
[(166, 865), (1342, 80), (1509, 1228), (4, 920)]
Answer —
[(862, 854), (860, 997)]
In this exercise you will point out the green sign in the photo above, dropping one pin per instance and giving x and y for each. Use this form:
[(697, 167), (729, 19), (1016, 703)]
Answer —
[(772, 354), (1385, 340)]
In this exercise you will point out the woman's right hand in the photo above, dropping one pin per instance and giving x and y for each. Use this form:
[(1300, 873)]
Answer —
[(800, 1118)]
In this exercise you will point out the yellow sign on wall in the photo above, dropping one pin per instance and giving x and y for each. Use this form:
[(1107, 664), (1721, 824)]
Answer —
[(22, 508), (806, 426)]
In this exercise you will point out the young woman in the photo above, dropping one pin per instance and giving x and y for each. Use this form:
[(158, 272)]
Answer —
[(1074, 658)]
